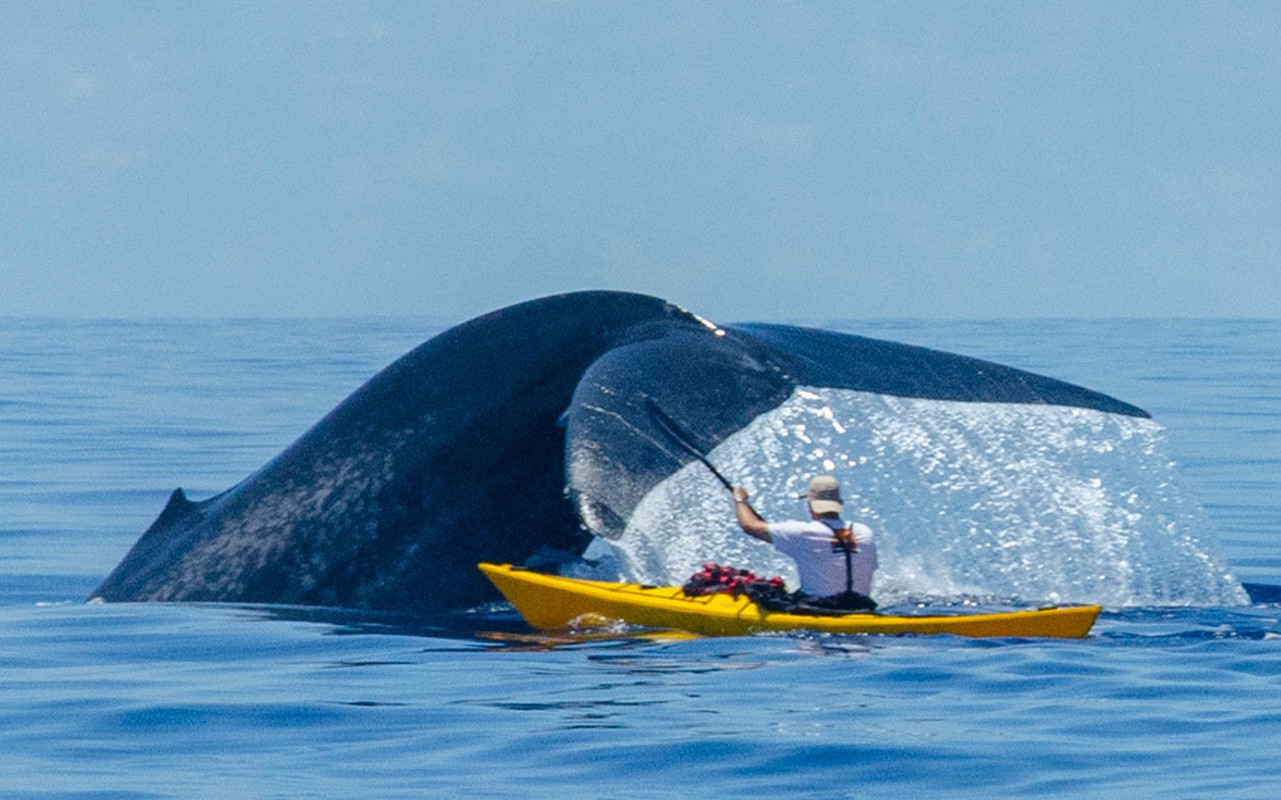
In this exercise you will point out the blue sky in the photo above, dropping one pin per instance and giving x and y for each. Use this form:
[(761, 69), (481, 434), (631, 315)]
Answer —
[(745, 160)]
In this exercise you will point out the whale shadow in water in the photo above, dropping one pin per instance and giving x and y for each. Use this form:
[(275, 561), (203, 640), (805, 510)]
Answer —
[(520, 432)]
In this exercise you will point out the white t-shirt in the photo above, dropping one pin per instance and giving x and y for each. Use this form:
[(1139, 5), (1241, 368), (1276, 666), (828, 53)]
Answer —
[(822, 571)]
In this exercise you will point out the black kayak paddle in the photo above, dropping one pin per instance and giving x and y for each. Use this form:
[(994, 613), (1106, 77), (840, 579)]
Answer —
[(681, 438)]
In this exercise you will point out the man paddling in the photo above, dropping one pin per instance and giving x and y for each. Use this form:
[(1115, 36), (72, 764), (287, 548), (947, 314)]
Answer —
[(835, 559)]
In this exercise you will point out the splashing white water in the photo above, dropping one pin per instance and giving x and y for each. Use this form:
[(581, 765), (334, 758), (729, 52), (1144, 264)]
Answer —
[(1035, 503)]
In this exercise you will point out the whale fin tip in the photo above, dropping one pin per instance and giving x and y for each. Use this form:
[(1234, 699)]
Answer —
[(175, 509)]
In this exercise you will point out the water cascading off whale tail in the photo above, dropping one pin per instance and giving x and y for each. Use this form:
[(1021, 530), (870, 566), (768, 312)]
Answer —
[(1001, 502)]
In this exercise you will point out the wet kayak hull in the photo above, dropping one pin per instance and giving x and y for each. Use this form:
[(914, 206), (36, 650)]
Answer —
[(550, 602)]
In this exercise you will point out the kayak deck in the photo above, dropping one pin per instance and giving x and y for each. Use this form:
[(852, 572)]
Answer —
[(551, 602)]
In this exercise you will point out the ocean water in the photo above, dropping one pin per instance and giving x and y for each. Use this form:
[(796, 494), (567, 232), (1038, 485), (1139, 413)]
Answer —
[(1174, 694)]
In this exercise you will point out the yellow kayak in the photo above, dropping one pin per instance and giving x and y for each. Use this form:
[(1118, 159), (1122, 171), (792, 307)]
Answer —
[(552, 602)]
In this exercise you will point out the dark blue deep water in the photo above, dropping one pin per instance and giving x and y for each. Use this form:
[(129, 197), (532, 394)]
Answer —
[(99, 421)]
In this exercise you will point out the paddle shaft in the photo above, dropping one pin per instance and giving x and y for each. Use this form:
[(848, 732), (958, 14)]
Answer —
[(681, 438)]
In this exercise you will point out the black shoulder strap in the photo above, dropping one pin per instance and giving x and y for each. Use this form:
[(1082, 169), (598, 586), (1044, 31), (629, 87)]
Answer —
[(843, 540)]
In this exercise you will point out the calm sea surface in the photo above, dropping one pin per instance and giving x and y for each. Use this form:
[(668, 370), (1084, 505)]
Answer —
[(99, 421)]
